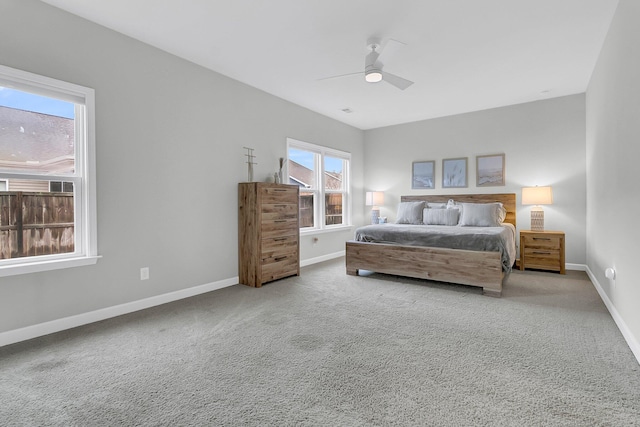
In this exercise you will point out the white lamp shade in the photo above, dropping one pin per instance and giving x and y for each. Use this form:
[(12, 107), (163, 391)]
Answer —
[(537, 196), (375, 198)]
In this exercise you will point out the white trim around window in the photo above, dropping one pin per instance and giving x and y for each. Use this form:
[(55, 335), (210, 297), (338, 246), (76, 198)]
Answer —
[(319, 187), (83, 178)]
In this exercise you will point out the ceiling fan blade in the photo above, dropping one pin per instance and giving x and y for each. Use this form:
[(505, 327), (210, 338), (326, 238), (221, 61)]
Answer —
[(341, 75), (396, 81)]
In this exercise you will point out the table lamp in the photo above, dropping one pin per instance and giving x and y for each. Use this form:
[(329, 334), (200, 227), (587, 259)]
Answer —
[(375, 199), (537, 196)]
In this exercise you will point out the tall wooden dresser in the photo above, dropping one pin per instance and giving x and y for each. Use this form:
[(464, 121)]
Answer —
[(268, 232)]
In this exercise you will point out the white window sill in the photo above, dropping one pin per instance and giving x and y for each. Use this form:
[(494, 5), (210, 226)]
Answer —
[(38, 266)]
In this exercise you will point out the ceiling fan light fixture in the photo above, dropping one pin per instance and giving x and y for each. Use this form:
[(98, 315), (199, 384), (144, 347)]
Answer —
[(373, 76)]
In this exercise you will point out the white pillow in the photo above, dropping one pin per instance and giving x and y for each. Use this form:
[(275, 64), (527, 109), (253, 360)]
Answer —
[(436, 205), (502, 213), (440, 216), (482, 214), (410, 213)]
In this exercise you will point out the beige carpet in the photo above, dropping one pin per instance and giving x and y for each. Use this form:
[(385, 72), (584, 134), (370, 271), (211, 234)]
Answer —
[(332, 349)]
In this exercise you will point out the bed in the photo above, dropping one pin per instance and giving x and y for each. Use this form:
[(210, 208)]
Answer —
[(481, 268)]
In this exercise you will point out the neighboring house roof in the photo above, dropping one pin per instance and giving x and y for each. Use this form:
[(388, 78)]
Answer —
[(300, 175), (36, 141), (303, 176)]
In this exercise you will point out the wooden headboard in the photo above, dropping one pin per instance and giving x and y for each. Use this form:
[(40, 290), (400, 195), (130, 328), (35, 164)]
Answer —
[(507, 199)]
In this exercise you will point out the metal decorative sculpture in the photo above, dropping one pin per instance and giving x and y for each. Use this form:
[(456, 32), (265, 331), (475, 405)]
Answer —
[(250, 162)]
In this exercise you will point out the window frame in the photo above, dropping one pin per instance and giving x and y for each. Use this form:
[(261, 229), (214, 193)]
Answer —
[(320, 191), (84, 177)]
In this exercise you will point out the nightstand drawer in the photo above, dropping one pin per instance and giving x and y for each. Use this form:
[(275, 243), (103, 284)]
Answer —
[(541, 252), (542, 242), (542, 259)]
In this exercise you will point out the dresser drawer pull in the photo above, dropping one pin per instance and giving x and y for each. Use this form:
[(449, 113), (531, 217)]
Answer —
[(280, 189), (280, 239), (541, 238), (541, 253), (280, 258)]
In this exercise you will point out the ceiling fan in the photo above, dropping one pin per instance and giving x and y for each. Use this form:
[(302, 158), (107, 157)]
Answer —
[(373, 66)]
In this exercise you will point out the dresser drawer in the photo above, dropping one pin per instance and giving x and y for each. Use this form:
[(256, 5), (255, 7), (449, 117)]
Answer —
[(276, 244), (279, 227), (279, 194), (283, 266), (278, 255), (279, 211)]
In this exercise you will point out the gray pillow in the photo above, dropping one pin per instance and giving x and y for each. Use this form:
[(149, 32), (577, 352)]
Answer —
[(410, 213), (441, 216), (482, 214)]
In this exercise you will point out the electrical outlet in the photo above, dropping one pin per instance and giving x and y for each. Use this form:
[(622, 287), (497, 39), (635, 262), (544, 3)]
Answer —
[(144, 273)]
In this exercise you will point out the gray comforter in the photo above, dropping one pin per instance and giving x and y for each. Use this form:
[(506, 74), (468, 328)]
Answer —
[(493, 239)]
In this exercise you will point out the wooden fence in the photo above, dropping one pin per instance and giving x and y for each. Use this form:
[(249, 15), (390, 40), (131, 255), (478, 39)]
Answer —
[(333, 209), (35, 224)]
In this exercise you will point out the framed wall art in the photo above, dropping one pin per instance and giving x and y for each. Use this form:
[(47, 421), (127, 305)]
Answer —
[(423, 175), (454, 173), (490, 170)]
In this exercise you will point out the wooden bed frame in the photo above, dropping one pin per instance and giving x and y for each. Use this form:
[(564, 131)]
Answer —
[(474, 268)]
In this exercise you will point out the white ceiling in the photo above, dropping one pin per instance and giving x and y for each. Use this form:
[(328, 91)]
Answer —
[(463, 55)]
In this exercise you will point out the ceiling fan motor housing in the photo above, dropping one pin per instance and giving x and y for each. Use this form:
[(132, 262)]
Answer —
[(372, 69)]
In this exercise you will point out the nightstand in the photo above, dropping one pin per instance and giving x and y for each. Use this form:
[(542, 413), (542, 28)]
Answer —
[(542, 250)]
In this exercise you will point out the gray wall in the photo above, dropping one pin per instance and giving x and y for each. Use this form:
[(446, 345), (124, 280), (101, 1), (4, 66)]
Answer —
[(543, 143), (613, 153), (169, 157)]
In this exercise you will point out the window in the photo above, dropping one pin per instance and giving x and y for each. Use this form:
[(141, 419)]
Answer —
[(323, 177), (47, 166), (60, 187)]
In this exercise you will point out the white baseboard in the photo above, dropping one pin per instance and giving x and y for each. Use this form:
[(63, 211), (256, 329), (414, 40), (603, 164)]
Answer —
[(41, 329), (576, 267), (316, 260), (632, 341)]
